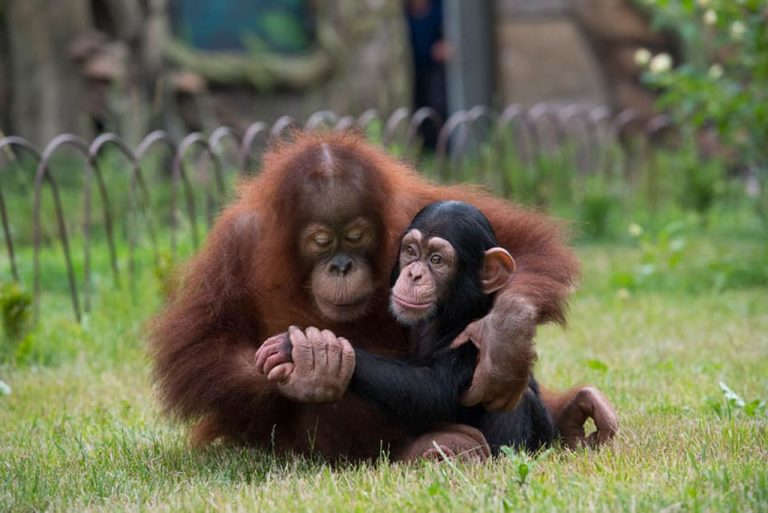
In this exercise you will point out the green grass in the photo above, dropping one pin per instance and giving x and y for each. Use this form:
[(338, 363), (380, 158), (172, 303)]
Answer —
[(81, 430), (671, 322)]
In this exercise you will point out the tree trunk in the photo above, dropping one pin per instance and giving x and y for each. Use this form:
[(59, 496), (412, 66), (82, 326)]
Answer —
[(46, 87), (5, 74), (372, 55)]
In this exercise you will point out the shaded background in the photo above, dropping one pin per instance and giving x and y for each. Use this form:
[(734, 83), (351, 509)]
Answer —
[(131, 66)]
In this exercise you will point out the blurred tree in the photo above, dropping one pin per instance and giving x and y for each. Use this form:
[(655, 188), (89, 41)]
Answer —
[(723, 84), (94, 65), (46, 88), (4, 72)]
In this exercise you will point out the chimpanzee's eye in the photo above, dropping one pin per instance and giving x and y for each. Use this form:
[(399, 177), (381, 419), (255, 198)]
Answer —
[(409, 250), (436, 259)]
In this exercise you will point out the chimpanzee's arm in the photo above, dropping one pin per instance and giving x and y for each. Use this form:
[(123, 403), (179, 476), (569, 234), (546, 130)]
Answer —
[(415, 393)]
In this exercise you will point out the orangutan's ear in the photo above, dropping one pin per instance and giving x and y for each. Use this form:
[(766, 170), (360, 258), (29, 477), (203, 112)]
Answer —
[(498, 266)]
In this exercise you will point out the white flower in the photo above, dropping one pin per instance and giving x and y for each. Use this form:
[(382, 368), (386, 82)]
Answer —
[(642, 57), (660, 63), (635, 230), (715, 71), (710, 17), (738, 29)]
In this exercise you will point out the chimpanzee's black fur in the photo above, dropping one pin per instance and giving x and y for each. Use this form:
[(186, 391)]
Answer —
[(426, 388)]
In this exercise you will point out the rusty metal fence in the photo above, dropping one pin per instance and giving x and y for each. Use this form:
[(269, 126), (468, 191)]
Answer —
[(590, 136)]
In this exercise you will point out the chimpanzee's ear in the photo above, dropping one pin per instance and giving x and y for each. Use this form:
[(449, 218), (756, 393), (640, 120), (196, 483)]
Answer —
[(497, 268)]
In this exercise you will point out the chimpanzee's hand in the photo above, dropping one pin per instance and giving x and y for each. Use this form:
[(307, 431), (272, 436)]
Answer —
[(321, 369), (504, 339), (274, 351)]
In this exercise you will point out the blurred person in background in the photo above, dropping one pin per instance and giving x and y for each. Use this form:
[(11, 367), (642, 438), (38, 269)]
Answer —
[(430, 52)]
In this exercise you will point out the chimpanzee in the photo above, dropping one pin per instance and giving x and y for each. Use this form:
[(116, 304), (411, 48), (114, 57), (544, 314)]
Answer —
[(448, 270)]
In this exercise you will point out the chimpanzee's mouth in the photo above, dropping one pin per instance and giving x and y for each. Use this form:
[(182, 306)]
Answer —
[(408, 304)]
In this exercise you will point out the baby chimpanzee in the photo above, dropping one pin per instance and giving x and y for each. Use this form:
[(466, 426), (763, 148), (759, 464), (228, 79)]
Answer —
[(448, 270)]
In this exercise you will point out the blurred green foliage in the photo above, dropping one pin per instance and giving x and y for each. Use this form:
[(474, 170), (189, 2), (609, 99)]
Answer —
[(722, 83), (15, 308), (683, 220)]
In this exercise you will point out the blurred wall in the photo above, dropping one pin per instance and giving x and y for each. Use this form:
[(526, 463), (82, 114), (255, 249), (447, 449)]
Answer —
[(565, 51), (543, 56), (370, 68)]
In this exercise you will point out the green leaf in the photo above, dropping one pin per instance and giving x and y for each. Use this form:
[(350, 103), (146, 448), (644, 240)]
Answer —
[(597, 365), (522, 471), (623, 280), (435, 489), (754, 407)]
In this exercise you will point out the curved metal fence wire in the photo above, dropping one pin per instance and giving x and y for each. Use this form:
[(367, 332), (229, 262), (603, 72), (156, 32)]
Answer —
[(590, 137)]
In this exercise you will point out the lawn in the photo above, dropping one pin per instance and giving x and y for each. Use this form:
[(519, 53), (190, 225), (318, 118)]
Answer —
[(676, 334)]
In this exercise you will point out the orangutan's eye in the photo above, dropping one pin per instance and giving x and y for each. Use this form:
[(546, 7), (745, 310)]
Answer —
[(322, 239), (354, 235)]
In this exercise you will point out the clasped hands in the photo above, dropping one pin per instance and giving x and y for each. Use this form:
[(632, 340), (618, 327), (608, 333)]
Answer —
[(315, 367)]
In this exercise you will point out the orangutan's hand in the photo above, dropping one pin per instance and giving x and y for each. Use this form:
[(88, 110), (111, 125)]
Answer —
[(587, 403), (504, 339), (321, 369)]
